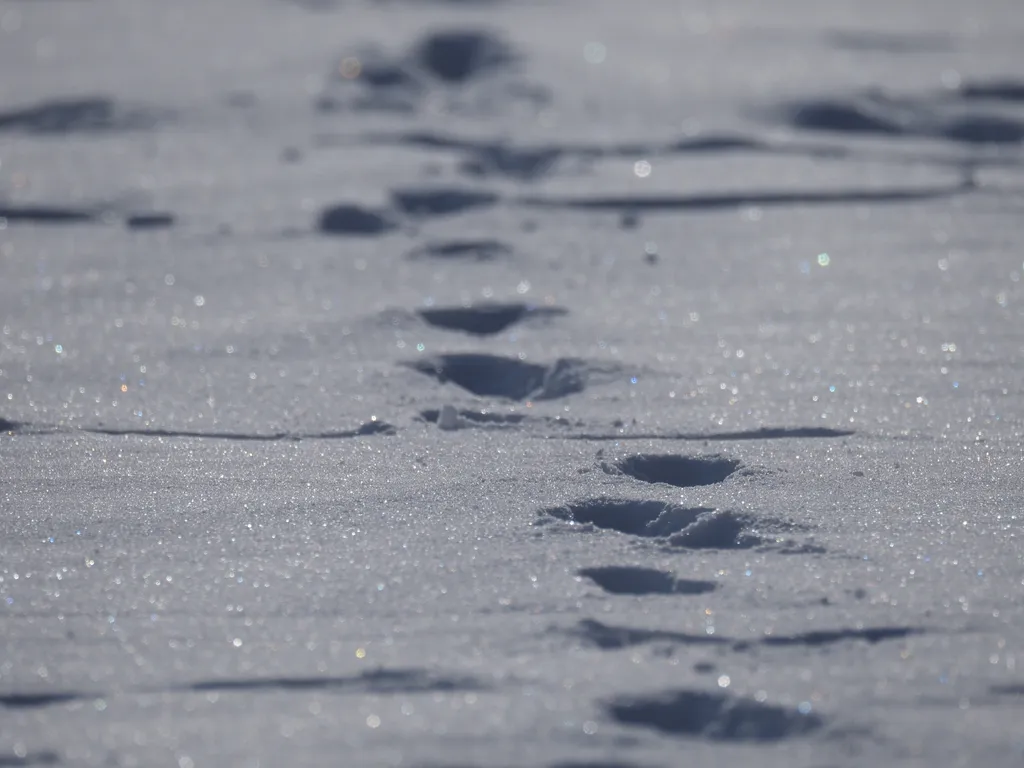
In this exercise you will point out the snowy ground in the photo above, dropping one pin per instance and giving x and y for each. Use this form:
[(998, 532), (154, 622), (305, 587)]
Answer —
[(723, 301)]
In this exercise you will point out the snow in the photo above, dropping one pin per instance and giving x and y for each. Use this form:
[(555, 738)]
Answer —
[(508, 383)]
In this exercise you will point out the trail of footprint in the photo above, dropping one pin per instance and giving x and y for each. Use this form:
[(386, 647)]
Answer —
[(381, 681), (676, 526), (713, 716), (764, 433), (629, 205), (59, 214), (634, 580), (609, 637), (511, 378), (680, 471), (486, 319), (369, 428)]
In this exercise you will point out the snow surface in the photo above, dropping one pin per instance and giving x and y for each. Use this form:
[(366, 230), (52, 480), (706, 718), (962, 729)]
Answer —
[(719, 306)]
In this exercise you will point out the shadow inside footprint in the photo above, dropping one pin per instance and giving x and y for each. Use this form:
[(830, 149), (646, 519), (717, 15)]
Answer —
[(683, 527), (714, 716), (353, 220), (493, 376), (718, 529), (485, 319), (456, 56), (633, 580), (681, 471), (638, 518), (440, 201)]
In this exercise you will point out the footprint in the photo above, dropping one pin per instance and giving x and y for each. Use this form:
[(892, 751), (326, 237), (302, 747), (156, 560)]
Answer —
[(46, 214), (493, 376), (456, 56), (684, 527), (354, 220), (55, 214), (845, 116), (984, 129), (440, 201), (92, 114), (612, 638), (485, 319), (883, 115), (457, 69), (477, 250), (996, 90), (40, 700), (372, 80), (633, 580), (680, 471), (149, 221), (713, 716)]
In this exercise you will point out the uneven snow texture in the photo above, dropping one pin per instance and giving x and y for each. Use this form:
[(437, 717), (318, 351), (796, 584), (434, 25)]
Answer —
[(511, 383)]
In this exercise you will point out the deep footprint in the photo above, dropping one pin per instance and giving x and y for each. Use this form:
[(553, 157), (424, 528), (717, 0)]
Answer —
[(353, 220), (633, 580), (681, 471), (713, 716), (683, 527), (493, 376), (456, 56), (485, 319)]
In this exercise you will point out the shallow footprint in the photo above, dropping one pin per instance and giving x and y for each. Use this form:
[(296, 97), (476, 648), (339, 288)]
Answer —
[(477, 250), (713, 716)]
